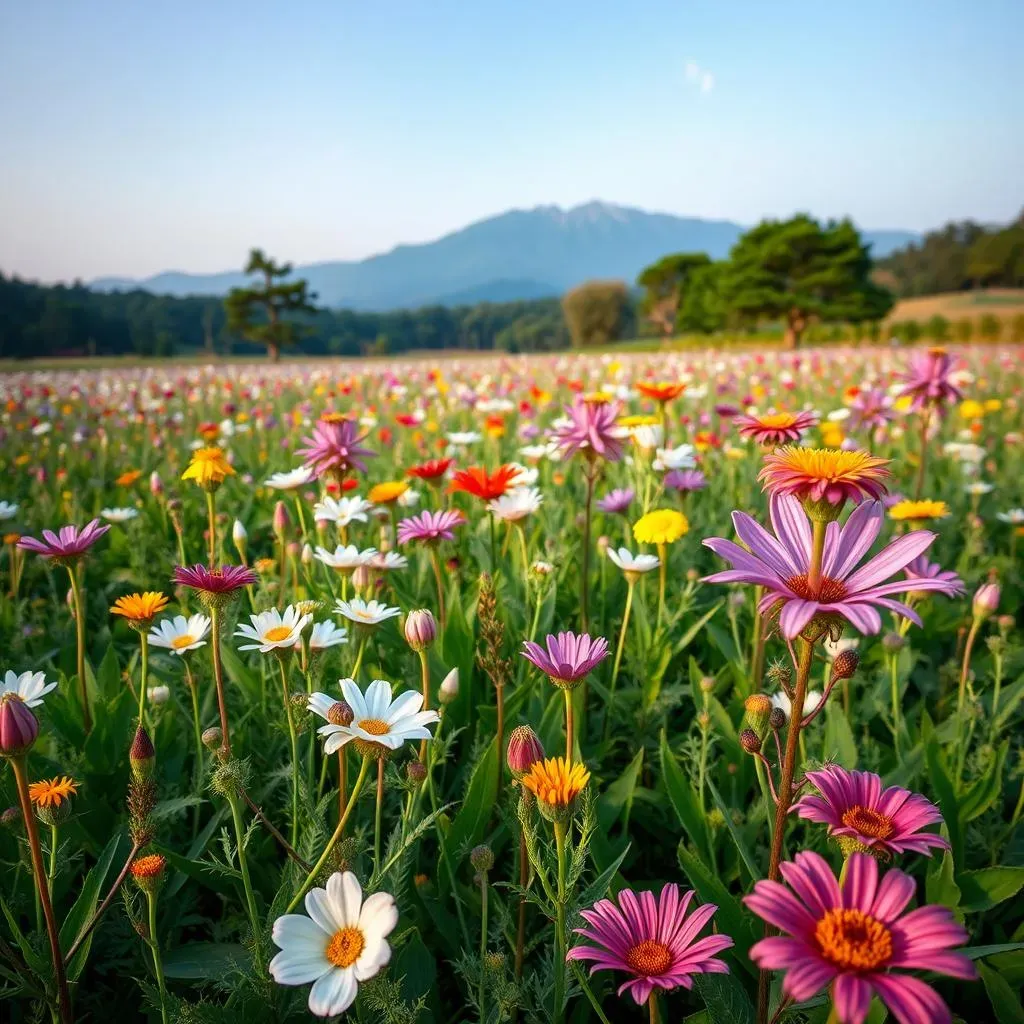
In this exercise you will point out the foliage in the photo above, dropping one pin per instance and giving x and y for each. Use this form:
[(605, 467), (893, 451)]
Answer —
[(666, 284), (596, 313)]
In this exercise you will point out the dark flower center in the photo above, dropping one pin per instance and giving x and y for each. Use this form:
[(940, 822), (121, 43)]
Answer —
[(828, 590)]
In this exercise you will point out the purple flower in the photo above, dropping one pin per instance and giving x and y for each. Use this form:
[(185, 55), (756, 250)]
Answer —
[(870, 409), (781, 564), (593, 427), (929, 380), (876, 818), (921, 569), (616, 502), (430, 527), (66, 546), (334, 447), (685, 480), (568, 657), (653, 940), (225, 580), (18, 726)]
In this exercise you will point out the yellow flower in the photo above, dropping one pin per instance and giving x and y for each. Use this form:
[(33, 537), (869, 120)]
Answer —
[(903, 403), (597, 397), (639, 421), (387, 492), (139, 608), (993, 404), (264, 565), (971, 410), (556, 783), (52, 792), (905, 511), (662, 526), (208, 468), (735, 453), (22, 459)]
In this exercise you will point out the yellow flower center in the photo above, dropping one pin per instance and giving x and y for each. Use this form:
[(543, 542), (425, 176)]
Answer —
[(649, 958), (345, 946), (374, 726), (868, 822), (777, 420), (278, 633), (852, 940), (185, 640)]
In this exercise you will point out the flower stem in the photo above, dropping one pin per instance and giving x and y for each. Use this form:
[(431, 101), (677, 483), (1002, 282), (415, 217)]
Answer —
[(560, 942), (32, 834), (652, 1006), (435, 561), (359, 657), (211, 516), (894, 692), (425, 679), (483, 944), (965, 670), (524, 881), (377, 814), (51, 872), (318, 866), (294, 741), (569, 725), (218, 677), (662, 574), (143, 676), (197, 730), (101, 909), (154, 947), (919, 484), (585, 572), (250, 896), (618, 654), (817, 552), (76, 597)]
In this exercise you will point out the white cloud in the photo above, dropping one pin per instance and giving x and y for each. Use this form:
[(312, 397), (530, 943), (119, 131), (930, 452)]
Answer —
[(703, 79), (707, 82), (692, 71)]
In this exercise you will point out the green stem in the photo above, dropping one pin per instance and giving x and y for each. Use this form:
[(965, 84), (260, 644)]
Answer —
[(294, 741), (435, 561), (211, 515), (494, 546), (359, 657), (76, 598), (197, 775), (51, 872), (243, 864), (377, 814), (585, 573), (483, 944), (997, 659), (302, 516), (154, 946), (965, 669), (662, 575), (425, 680), (894, 692), (144, 676), (560, 941), (218, 678), (318, 866), (569, 725)]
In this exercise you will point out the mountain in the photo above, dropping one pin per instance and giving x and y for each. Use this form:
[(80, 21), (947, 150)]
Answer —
[(515, 255)]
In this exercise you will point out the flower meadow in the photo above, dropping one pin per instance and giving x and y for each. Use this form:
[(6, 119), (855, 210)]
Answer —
[(675, 687)]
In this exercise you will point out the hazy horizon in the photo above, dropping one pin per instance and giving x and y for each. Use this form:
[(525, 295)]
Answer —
[(176, 137)]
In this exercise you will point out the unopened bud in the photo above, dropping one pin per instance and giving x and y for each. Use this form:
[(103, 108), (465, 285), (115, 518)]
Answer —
[(757, 708), (707, 684), (362, 577), (142, 755), (750, 741), (213, 737), (449, 688), (524, 750), (18, 726), (340, 713), (307, 555), (986, 600), (156, 485), (420, 629), (777, 719), (280, 518), (602, 545), (844, 665), (10, 817), (239, 535), (416, 771), (157, 695), (893, 642), (481, 857)]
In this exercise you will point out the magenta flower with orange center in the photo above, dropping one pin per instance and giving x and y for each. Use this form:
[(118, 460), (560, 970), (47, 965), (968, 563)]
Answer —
[(776, 427), (566, 658), (224, 580), (592, 428), (831, 475), (928, 381)]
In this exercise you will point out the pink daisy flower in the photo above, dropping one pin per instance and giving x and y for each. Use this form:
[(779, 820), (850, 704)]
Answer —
[(430, 527), (776, 427), (871, 409), (592, 427), (929, 380), (655, 941), (921, 569), (225, 580), (855, 938), (66, 546), (334, 447), (859, 809), (781, 564), (566, 658)]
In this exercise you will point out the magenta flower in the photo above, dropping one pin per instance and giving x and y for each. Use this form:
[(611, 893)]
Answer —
[(567, 657), (870, 409), (929, 380), (68, 545), (855, 937), (921, 569), (224, 580), (592, 428), (857, 808), (685, 480), (776, 428), (334, 447), (652, 940), (781, 564), (616, 502), (430, 527)]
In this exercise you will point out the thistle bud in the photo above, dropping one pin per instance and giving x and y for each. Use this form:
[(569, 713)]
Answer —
[(18, 726), (420, 629), (148, 872), (142, 755), (750, 741), (340, 713), (10, 817), (213, 737), (777, 719), (481, 857), (986, 600), (449, 688), (280, 519), (524, 750), (416, 772), (156, 485), (758, 709), (893, 642), (845, 664)]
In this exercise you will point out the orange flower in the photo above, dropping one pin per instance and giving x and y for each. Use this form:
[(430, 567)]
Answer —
[(387, 492), (129, 477), (52, 792), (662, 391), (475, 481), (139, 609)]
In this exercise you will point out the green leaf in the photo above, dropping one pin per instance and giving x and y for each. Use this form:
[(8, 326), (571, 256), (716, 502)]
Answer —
[(985, 791), (598, 888), (239, 673), (988, 887), (1003, 999), (108, 675), (468, 827), (38, 964), (689, 636), (839, 741), (978, 952), (940, 883), (201, 961), (416, 966), (683, 798), (725, 998), (942, 786), (84, 907), (617, 799), (745, 853)]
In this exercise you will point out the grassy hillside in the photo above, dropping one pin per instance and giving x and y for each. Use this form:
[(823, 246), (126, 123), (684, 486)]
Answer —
[(1002, 302)]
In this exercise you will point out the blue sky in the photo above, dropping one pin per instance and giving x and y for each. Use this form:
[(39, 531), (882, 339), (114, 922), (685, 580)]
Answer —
[(137, 137)]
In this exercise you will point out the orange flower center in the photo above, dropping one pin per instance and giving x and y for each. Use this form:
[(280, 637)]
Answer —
[(852, 940), (279, 633), (374, 726), (345, 946), (649, 958), (185, 640), (868, 822), (827, 591), (777, 420)]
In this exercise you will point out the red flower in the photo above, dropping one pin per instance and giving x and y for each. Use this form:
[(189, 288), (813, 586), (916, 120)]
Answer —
[(475, 481), (406, 419), (430, 470)]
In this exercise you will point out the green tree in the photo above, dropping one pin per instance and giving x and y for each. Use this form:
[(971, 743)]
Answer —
[(990, 327), (261, 313), (596, 312), (665, 283), (703, 307), (937, 328), (964, 330), (997, 258), (797, 271)]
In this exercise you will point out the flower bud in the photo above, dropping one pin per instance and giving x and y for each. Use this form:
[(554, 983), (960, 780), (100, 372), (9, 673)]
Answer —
[(482, 857), (986, 600), (307, 555), (893, 642), (142, 755), (240, 538), (602, 545), (777, 719), (158, 695), (449, 688), (280, 518), (213, 737), (845, 664), (18, 726), (156, 485), (420, 629), (524, 750), (758, 708), (416, 772), (340, 713), (362, 577), (707, 684), (10, 817), (148, 871), (750, 741), (1006, 623)]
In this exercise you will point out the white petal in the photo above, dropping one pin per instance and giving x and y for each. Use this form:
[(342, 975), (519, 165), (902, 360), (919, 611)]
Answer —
[(378, 917), (320, 908), (375, 955), (334, 993), (346, 894)]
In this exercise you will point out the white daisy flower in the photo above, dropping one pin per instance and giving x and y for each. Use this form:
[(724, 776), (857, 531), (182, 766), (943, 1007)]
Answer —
[(327, 634), (1015, 517), (8, 509), (409, 498), (534, 452), (526, 476), (345, 559), (463, 438), (343, 942), (290, 481), (30, 686), (647, 436), (271, 630), (119, 515), (342, 511), (628, 562), (516, 504), (388, 561), (366, 613), (180, 635), (681, 457), (811, 702), (979, 487), (376, 718), (158, 694)]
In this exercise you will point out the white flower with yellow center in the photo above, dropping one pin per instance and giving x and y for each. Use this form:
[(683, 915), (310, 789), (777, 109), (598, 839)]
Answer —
[(180, 635), (628, 562), (341, 511), (341, 943), (290, 481), (345, 558), (366, 613), (8, 509), (119, 515), (516, 504), (389, 561), (326, 634), (273, 630), (31, 687), (681, 457), (377, 719)]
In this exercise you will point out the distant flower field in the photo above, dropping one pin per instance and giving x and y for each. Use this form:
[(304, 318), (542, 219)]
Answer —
[(671, 687)]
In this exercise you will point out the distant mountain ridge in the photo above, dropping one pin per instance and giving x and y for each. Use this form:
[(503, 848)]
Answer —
[(519, 254)]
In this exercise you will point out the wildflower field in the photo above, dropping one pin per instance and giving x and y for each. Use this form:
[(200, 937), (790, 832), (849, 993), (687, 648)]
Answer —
[(668, 687)]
